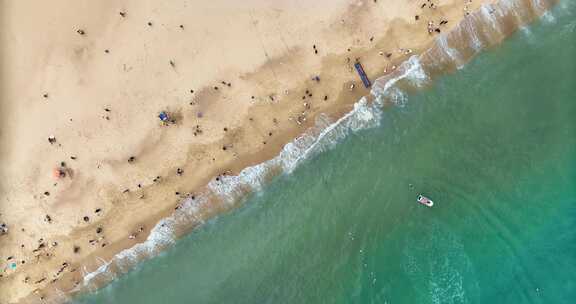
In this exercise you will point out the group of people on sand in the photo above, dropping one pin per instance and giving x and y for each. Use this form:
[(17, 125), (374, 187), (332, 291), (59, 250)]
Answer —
[(44, 248), (135, 234), (432, 28)]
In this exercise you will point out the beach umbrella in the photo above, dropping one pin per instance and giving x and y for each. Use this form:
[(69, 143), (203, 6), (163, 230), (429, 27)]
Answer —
[(163, 116), (58, 173)]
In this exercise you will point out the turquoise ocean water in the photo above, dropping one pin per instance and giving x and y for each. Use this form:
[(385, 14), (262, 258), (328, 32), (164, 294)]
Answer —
[(493, 144)]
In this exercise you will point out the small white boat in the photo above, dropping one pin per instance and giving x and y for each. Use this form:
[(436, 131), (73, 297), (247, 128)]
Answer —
[(425, 201)]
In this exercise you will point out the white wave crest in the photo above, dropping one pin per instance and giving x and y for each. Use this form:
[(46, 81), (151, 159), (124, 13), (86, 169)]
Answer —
[(323, 136), (410, 70), (161, 236)]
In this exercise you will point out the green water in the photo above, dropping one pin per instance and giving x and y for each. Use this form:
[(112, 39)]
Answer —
[(494, 145)]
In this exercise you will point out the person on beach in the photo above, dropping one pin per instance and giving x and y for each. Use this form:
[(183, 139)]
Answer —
[(3, 229)]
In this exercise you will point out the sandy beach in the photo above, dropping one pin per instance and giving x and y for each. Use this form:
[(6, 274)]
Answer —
[(89, 166)]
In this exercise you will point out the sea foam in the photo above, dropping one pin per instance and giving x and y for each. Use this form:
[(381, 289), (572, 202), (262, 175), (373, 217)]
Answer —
[(483, 28)]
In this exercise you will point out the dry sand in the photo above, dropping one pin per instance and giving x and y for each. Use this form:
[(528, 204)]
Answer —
[(96, 74)]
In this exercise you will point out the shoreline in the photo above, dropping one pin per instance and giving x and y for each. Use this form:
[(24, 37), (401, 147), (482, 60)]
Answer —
[(217, 204)]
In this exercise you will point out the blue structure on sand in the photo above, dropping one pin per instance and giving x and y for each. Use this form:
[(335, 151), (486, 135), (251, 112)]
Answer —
[(362, 74)]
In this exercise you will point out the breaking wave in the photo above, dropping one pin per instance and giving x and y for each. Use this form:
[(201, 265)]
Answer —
[(482, 29)]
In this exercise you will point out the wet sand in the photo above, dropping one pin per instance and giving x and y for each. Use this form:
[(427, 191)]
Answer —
[(89, 168)]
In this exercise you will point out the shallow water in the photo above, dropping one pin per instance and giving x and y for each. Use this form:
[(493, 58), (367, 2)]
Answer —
[(494, 145)]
